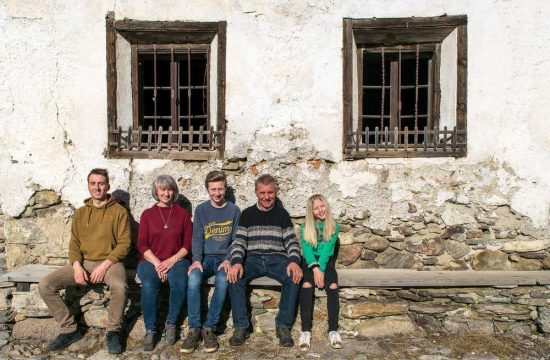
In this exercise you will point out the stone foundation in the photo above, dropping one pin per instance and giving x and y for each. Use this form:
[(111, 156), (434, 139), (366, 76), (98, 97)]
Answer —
[(363, 312)]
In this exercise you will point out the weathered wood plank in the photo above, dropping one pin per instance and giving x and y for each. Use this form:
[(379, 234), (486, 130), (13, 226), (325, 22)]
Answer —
[(111, 71), (220, 120), (347, 82), (371, 278), (462, 79)]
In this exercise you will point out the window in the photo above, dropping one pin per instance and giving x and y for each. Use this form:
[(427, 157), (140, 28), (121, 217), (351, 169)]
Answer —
[(166, 87), (405, 87)]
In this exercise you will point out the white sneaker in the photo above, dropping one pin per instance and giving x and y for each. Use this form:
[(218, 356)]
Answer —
[(335, 340), (305, 340)]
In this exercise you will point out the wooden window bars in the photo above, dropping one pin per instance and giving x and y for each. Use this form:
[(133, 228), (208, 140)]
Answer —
[(398, 94), (171, 94)]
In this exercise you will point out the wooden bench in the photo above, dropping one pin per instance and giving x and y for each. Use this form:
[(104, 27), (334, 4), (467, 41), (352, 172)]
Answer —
[(360, 278)]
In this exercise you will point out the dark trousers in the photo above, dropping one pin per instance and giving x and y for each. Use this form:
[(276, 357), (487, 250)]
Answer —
[(307, 297), (274, 267)]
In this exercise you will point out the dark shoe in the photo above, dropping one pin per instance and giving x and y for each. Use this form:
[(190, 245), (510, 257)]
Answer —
[(149, 341), (284, 335), (210, 340), (170, 334), (239, 337), (63, 340), (114, 344), (191, 342)]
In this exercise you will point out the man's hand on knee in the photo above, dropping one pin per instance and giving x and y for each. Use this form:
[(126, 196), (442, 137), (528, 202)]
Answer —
[(296, 272), (98, 275), (236, 272), (80, 275)]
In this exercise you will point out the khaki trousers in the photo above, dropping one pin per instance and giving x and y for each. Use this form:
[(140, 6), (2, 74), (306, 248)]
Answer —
[(115, 278)]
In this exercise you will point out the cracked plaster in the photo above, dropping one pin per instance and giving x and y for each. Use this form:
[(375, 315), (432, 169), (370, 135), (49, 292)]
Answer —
[(283, 108)]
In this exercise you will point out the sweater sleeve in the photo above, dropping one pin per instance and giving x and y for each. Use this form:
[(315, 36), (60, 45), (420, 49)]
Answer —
[(307, 249), (290, 241), (236, 219), (237, 251), (143, 233), (198, 235), (328, 250), (74, 244), (123, 237)]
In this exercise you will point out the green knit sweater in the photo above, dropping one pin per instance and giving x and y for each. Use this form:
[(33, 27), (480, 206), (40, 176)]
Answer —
[(324, 250)]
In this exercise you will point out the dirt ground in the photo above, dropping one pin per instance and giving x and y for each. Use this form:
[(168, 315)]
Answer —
[(435, 346)]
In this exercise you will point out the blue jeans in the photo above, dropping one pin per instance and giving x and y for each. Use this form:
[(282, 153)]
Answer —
[(274, 267), (150, 285), (210, 267)]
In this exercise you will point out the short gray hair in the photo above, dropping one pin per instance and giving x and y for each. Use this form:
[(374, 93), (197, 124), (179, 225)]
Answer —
[(165, 181), (266, 179)]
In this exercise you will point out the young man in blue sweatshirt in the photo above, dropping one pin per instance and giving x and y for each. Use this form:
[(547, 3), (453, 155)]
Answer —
[(214, 227)]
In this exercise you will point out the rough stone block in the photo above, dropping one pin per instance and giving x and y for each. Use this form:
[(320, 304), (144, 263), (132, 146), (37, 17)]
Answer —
[(387, 326), (457, 324), (370, 308), (96, 318), (349, 254), (456, 249), (432, 308), (512, 311), (346, 238), (376, 243), (525, 245), (46, 198), (266, 321), (44, 329), (29, 304), (367, 254), (543, 321), (527, 265), (454, 214), (394, 259), (491, 260)]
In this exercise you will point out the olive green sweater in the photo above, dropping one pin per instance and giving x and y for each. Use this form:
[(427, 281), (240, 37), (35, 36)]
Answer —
[(100, 233)]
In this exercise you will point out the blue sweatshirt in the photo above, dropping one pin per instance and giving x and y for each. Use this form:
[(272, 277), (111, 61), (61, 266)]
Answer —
[(214, 230)]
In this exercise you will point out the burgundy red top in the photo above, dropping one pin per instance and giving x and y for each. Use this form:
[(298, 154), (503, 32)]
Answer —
[(164, 242)]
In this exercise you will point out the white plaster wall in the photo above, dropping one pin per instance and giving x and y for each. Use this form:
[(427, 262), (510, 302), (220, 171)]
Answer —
[(284, 71)]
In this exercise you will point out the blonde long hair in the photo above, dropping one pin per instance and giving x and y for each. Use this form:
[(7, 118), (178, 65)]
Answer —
[(310, 230)]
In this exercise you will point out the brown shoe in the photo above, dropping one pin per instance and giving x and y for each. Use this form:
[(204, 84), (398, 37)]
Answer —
[(210, 341), (191, 342)]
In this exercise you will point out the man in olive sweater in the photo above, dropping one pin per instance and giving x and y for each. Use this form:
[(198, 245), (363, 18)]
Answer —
[(100, 238)]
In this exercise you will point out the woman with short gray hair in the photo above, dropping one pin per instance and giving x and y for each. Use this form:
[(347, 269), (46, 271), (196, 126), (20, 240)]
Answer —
[(164, 242)]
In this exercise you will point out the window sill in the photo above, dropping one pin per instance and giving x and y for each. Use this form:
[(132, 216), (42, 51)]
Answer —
[(400, 153), (203, 155)]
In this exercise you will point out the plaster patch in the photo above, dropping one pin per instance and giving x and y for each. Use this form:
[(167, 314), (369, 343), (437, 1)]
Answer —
[(534, 202), (443, 196), (15, 194), (350, 176)]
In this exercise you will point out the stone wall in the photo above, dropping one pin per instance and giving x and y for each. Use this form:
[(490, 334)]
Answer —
[(395, 216), (363, 312)]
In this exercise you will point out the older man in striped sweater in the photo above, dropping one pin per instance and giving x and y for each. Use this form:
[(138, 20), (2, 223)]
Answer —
[(265, 245)]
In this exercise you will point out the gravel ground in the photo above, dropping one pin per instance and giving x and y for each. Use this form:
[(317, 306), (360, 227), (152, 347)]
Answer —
[(265, 346)]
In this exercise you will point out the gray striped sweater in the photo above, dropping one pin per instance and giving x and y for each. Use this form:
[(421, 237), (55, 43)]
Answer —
[(265, 233)]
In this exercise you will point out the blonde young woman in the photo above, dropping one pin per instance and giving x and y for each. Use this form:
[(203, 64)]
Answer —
[(318, 236)]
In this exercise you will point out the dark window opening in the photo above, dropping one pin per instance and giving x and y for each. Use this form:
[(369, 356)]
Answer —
[(173, 85), (397, 91), (173, 92), (392, 86)]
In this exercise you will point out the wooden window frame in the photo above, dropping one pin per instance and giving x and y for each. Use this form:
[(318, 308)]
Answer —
[(140, 35), (393, 32)]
